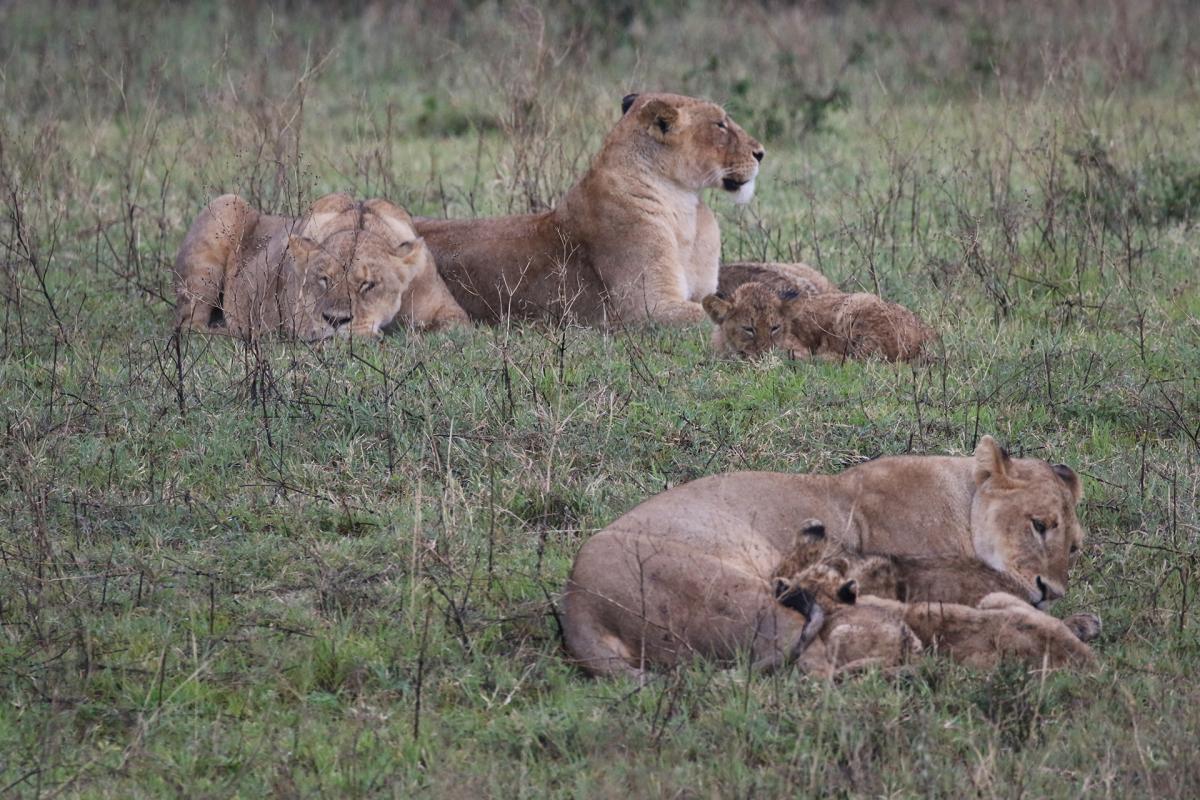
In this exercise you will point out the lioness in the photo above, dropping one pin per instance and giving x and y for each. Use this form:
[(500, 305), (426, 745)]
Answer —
[(862, 629), (630, 241), (344, 267), (641, 587), (758, 318)]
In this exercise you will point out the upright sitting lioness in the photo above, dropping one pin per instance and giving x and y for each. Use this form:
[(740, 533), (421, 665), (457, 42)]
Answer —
[(344, 267), (686, 572), (631, 241)]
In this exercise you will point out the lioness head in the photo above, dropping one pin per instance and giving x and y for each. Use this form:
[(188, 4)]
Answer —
[(753, 321), (693, 142), (1023, 519), (348, 269)]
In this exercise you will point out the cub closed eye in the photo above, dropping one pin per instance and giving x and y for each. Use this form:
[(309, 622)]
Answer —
[(775, 328), (366, 287), (1039, 526), (748, 329)]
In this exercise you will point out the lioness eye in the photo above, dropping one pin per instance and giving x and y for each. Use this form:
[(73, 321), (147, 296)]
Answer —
[(323, 283), (721, 125), (1039, 526), (366, 287)]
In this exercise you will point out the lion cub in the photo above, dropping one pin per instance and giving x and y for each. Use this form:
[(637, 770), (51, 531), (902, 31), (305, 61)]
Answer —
[(862, 629), (855, 635), (831, 324)]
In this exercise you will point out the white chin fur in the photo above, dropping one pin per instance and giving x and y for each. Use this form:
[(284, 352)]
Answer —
[(745, 192)]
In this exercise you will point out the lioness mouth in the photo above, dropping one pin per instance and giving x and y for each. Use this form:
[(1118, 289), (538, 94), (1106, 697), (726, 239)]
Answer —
[(732, 185)]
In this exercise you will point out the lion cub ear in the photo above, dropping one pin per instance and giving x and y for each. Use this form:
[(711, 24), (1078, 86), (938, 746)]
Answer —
[(848, 592), (991, 461), (627, 101), (717, 306), (659, 118), (301, 248)]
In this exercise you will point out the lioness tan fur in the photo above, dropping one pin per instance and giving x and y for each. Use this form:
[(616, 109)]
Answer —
[(776, 275), (344, 267), (710, 548), (631, 241), (758, 318), (861, 629)]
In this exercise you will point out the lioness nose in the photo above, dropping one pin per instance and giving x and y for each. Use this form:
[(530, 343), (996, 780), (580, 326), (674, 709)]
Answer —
[(337, 320), (1051, 590), (758, 154)]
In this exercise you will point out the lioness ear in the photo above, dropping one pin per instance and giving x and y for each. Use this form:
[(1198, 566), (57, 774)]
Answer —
[(718, 307), (627, 101), (1068, 476), (848, 592), (301, 248), (991, 461), (659, 118), (410, 247)]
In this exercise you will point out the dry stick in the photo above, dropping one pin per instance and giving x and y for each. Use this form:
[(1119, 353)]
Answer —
[(420, 675)]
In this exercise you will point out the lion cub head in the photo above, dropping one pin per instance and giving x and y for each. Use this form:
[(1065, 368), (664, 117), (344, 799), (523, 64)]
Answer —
[(752, 322), (855, 635), (692, 142), (349, 268), (1023, 520)]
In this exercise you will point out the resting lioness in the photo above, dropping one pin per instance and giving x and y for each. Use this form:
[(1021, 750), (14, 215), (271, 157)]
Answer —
[(862, 629), (689, 553), (630, 241), (344, 267), (758, 317)]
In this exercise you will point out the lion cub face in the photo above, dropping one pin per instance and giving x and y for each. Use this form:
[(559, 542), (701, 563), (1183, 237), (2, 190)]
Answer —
[(351, 279), (854, 635), (1023, 520), (703, 147), (752, 322)]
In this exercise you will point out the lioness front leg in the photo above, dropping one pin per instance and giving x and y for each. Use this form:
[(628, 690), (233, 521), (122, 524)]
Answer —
[(212, 246), (649, 285)]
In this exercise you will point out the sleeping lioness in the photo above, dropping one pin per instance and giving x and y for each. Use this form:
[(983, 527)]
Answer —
[(630, 241), (344, 267), (642, 588)]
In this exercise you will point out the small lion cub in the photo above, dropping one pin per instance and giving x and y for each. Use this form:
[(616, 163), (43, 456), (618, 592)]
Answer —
[(831, 324)]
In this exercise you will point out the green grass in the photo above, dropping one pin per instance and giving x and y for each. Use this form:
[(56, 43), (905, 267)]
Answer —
[(331, 570)]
